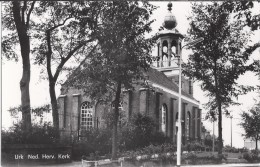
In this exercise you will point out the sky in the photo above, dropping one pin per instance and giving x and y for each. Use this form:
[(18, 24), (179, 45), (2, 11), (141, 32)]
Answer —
[(12, 72)]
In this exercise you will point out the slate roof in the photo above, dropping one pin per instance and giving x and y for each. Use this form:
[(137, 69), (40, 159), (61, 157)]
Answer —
[(160, 78)]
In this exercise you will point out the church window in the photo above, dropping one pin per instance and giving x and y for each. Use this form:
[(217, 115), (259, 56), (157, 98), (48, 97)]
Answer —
[(188, 124), (198, 124), (164, 117), (165, 61), (86, 116), (165, 49), (173, 51), (176, 121)]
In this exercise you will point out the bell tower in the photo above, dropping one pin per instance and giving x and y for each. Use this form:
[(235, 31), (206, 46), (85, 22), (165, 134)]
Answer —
[(168, 45)]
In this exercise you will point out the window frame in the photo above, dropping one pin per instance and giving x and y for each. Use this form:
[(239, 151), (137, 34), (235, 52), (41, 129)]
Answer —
[(86, 116), (164, 118)]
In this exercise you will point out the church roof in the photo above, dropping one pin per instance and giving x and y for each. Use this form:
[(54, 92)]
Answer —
[(160, 78), (154, 76)]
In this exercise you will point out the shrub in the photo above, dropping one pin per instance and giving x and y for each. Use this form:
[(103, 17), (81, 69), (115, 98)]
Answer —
[(39, 134), (82, 149), (165, 154), (159, 149), (158, 138), (194, 146), (243, 150), (231, 149), (256, 152), (161, 152), (95, 142), (191, 156), (140, 132), (251, 157), (137, 132)]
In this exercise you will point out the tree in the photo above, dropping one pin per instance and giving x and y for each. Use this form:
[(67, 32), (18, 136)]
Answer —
[(122, 52), (18, 20), (220, 59), (64, 34), (251, 123), (243, 11), (60, 31)]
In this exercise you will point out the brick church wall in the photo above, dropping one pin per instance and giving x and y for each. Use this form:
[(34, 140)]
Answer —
[(146, 101)]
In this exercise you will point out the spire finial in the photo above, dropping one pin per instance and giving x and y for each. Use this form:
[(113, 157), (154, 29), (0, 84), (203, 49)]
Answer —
[(170, 6), (169, 20)]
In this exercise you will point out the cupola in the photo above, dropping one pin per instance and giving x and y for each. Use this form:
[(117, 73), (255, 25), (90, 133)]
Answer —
[(168, 45)]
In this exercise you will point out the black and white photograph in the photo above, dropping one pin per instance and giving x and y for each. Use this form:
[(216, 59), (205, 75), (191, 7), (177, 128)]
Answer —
[(130, 83)]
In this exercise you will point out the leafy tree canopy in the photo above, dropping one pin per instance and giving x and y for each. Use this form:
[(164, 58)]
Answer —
[(122, 49), (220, 59), (59, 31), (243, 11), (121, 54)]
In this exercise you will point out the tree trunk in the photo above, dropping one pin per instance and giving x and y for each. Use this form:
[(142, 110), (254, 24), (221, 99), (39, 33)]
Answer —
[(256, 145), (115, 121), (52, 82), (220, 143), (24, 85), (25, 80), (25, 91), (54, 104)]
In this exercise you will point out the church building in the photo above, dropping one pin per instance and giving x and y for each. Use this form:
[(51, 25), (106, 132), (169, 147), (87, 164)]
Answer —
[(159, 99)]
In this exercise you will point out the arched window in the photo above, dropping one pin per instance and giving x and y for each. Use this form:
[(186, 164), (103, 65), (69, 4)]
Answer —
[(165, 61), (86, 116), (176, 120), (188, 124), (198, 123), (164, 117), (165, 46), (165, 54), (174, 51)]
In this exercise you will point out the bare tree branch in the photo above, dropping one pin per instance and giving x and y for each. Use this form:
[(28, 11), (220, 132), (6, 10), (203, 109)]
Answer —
[(49, 53), (251, 49), (70, 54), (61, 24)]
